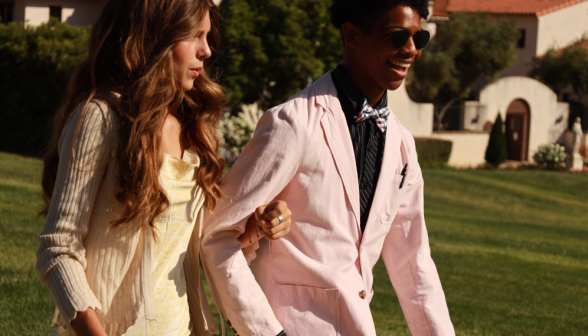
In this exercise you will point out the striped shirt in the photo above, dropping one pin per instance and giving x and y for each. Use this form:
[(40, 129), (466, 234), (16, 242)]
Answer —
[(367, 139)]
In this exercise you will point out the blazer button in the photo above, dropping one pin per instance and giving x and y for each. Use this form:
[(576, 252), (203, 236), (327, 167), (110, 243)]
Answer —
[(362, 294)]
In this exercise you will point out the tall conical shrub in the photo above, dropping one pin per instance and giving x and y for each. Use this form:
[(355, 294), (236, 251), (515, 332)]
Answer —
[(496, 150)]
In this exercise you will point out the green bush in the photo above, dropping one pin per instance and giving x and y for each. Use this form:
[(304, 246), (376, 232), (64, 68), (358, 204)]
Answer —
[(433, 152), (496, 150), (35, 65), (272, 49)]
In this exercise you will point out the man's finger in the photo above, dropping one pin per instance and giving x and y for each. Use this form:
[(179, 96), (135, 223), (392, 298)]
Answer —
[(259, 212), (277, 235), (272, 217), (275, 229)]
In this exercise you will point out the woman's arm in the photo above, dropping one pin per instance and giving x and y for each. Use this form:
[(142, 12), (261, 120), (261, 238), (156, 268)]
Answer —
[(87, 323), (84, 151)]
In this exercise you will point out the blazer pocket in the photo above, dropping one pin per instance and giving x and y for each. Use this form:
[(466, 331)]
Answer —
[(304, 310), (393, 201)]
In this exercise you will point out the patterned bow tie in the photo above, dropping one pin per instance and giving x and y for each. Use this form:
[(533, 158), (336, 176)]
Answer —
[(381, 115)]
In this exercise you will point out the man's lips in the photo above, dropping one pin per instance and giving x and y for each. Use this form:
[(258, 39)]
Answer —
[(401, 68)]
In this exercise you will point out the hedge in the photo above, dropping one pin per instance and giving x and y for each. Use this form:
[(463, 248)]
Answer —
[(433, 152), (35, 65)]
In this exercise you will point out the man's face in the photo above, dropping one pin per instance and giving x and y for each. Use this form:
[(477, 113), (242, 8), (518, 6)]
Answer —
[(386, 65)]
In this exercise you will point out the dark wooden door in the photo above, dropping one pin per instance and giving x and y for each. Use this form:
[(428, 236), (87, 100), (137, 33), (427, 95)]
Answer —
[(517, 130)]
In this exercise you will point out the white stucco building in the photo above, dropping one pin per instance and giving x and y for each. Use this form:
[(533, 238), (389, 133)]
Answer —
[(531, 112), (35, 12), (543, 23)]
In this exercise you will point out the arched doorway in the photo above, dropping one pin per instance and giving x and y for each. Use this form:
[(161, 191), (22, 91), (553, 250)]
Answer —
[(517, 130)]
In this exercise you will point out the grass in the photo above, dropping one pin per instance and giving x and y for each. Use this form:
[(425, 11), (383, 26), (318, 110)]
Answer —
[(510, 246)]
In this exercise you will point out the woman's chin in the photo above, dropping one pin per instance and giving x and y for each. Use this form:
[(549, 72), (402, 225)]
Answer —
[(188, 86)]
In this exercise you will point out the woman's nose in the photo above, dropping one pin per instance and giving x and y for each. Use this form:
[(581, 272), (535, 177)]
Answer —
[(204, 51)]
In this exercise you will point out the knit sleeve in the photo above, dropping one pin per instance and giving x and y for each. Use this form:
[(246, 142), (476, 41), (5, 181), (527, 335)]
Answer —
[(84, 151)]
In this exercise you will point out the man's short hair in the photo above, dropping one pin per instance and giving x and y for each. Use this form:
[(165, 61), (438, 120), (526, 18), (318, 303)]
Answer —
[(363, 13)]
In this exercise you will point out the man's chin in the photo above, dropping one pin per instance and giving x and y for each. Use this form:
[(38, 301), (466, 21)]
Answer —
[(394, 84)]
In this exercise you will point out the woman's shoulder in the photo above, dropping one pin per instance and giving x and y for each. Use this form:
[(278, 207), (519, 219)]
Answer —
[(96, 120), (98, 113)]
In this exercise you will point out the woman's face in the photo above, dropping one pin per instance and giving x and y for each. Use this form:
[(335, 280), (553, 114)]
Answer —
[(189, 55)]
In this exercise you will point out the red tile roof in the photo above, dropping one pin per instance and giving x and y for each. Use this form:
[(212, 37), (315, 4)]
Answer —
[(513, 7), (439, 8)]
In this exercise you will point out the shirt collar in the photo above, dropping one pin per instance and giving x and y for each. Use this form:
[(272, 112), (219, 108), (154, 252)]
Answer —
[(350, 96)]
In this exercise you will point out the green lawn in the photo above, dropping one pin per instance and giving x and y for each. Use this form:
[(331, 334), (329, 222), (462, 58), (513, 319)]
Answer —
[(511, 248)]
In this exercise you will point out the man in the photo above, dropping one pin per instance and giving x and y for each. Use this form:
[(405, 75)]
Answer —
[(349, 173)]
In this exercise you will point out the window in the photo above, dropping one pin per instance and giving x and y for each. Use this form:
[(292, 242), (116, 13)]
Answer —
[(521, 40), (55, 11), (6, 12)]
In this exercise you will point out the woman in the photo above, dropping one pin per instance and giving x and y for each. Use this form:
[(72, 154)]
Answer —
[(132, 163)]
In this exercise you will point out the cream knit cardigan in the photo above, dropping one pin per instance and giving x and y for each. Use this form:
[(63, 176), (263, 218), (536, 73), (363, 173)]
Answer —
[(83, 260)]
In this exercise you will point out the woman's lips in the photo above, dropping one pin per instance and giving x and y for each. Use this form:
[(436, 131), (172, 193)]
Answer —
[(196, 71)]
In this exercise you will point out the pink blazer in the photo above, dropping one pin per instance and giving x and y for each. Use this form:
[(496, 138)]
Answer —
[(318, 279)]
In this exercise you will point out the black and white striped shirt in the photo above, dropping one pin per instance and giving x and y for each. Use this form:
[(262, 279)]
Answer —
[(366, 137)]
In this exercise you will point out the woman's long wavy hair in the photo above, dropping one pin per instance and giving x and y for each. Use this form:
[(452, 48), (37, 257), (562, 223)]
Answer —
[(130, 52)]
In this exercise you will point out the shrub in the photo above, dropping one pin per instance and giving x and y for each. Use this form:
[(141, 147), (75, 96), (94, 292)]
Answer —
[(496, 150), (433, 152), (35, 65), (236, 131), (550, 156)]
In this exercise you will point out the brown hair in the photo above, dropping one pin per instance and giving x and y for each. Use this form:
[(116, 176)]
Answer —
[(130, 52)]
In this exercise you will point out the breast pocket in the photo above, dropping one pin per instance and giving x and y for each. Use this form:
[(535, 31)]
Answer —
[(304, 310), (393, 201)]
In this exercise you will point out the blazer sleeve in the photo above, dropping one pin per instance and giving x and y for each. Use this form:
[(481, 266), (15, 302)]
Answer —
[(407, 257), (61, 255), (264, 168)]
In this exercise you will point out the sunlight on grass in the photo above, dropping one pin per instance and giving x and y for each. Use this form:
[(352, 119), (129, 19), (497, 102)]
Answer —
[(510, 248)]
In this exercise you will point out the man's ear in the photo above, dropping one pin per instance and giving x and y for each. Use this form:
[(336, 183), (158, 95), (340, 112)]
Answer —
[(350, 34)]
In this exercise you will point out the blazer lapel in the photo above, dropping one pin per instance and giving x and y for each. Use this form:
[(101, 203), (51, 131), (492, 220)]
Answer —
[(338, 139)]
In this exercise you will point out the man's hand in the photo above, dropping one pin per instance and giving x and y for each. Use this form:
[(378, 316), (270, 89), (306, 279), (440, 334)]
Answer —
[(268, 218), (265, 223)]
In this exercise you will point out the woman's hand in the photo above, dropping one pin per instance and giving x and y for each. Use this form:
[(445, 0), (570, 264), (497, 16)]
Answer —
[(87, 323), (265, 223)]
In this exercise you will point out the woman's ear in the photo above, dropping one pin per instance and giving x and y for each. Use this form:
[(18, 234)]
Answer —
[(350, 34)]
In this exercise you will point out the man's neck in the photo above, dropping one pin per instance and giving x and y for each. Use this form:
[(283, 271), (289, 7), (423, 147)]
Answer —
[(371, 90)]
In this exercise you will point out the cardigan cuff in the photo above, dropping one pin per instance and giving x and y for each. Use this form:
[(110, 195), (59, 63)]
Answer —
[(69, 288)]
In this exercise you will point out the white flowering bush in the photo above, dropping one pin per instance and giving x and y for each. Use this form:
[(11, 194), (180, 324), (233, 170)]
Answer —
[(236, 131), (550, 155)]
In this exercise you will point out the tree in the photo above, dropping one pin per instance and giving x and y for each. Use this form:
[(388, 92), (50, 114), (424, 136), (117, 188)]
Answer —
[(35, 65), (496, 151), (560, 68), (271, 49), (468, 49)]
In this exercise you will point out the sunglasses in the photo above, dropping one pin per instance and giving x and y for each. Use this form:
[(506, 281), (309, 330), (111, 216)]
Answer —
[(400, 37)]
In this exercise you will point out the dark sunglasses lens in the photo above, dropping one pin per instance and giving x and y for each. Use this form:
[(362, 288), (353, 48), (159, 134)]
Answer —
[(399, 38), (421, 38)]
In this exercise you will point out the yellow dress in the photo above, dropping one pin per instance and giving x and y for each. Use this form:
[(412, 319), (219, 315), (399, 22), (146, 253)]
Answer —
[(174, 229)]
